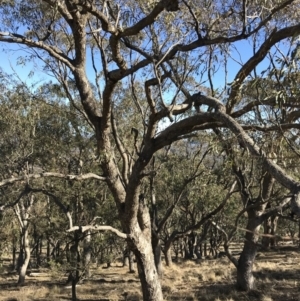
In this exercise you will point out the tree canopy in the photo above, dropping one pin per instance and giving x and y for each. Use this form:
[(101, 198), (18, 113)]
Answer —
[(164, 67)]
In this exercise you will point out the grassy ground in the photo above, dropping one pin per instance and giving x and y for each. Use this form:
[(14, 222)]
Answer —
[(277, 279)]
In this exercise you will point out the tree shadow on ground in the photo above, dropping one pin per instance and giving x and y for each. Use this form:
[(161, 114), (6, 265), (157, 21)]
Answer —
[(271, 274)]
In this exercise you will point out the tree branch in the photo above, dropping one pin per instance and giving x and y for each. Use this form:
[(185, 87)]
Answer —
[(277, 209), (53, 51), (275, 170), (58, 202), (52, 175), (24, 192), (226, 244), (248, 67), (99, 228), (208, 216)]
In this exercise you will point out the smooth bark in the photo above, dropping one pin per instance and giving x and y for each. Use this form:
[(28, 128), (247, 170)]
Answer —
[(24, 265)]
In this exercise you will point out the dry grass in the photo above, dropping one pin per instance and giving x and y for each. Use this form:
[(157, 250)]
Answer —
[(277, 279)]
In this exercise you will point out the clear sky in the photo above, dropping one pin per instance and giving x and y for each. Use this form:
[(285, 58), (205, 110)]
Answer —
[(10, 63)]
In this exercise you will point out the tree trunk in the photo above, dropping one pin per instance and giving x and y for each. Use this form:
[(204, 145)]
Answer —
[(14, 253), (186, 248), (270, 227), (26, 248), (205, 249), (126, 257), (41, 246), (191, 243), (131, 262), (74, 282), (266, 240), (48, 250), (39, 252), (168, 258), (57, 251), (141, 245), (87, 254), (168, 253), (128, 260), (148, 275), (156, 246), (198, 251), (21, 255), (274, 220), (245, 278), (74, 275)]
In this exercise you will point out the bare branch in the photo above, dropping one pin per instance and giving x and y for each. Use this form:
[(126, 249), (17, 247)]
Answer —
[(99, 228), (52, 175), (53, 51)]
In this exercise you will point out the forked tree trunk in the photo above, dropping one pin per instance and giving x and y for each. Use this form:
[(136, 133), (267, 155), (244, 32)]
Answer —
[(245, 278)]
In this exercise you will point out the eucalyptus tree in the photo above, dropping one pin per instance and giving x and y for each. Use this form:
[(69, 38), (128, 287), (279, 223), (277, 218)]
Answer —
[(43, 136), (17, 155), (263, 201), (171, 45), (189, 191)]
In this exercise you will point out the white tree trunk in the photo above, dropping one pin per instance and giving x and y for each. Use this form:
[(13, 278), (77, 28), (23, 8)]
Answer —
[(24, 266)]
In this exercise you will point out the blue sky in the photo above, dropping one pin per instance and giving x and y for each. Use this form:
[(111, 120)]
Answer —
[(10, 53)]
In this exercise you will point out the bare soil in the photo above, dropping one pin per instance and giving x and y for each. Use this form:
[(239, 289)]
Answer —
[(277, 276)]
